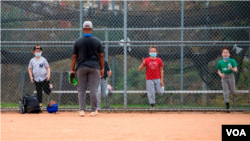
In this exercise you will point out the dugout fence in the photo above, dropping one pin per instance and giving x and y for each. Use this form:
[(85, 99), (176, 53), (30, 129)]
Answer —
[(189, 37)]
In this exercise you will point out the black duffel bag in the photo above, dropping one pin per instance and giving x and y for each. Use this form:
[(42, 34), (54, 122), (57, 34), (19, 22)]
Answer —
[(31, 104)]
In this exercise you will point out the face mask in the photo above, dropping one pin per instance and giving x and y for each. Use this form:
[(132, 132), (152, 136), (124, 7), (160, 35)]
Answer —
[(38, 54), (153, 54), (225, 58)]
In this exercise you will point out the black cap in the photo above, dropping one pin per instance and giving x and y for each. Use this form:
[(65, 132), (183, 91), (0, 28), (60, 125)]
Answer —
[(37, 47)]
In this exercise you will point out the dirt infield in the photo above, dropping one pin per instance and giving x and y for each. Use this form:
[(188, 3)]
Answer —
[(117, 126)]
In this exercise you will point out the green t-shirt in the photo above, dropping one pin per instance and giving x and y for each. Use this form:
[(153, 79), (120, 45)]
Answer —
[(224, 66)]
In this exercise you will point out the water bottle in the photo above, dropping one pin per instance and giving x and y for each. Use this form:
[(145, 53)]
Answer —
[(20, 107)]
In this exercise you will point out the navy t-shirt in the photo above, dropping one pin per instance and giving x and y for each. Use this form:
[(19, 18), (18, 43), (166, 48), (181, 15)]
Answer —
[(87, 49)]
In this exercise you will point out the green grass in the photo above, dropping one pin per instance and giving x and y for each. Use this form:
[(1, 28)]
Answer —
[(12, 105), (4, 105)]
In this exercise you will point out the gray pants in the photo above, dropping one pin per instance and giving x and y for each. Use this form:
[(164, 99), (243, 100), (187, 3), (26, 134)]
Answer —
[(153, 86), (101, 92), (228, 83), (88, 77)]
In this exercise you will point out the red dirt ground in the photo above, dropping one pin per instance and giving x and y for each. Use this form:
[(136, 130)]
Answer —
[(69, 126)]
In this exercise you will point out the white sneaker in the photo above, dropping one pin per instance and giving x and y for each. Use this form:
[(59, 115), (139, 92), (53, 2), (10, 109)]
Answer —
[(94, 113), (97, 113), (81, 113)]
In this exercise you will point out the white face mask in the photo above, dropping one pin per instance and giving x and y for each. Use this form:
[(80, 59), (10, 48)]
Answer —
[(38, 54)]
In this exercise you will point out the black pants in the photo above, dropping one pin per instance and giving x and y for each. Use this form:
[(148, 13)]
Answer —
[(40, 87)]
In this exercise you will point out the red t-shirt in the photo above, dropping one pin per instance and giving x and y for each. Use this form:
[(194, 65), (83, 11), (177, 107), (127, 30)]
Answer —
[(153, 68)]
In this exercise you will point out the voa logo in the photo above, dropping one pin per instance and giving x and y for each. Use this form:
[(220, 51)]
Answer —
[(236, 132)]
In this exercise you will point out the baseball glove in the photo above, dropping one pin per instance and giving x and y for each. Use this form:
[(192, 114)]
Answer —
[(72, 76), (51, 103)]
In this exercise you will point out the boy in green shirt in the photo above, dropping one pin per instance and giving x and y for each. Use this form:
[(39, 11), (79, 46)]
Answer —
[(226, 69)]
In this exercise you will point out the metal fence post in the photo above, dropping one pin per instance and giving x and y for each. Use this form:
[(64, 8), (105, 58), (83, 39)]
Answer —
[(80, 18), (207, 38), (234, 100), (125, 54), (106, 44), (171, 100), (113, 75), (106, 58), (60, 88), (182, 46), (22, 77), (0, 68)]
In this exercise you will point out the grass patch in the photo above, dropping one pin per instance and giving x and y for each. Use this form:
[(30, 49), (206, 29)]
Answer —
[(14, 105), (4, 105)]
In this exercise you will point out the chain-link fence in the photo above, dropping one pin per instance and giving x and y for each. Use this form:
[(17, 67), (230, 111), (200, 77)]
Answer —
[(189, 36)]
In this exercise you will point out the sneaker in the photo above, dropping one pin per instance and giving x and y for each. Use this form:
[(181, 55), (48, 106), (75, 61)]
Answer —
[(81, 113), (97, 113), (94, 113), (41, 109)]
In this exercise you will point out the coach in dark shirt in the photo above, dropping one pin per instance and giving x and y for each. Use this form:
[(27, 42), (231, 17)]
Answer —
[(88, 53)]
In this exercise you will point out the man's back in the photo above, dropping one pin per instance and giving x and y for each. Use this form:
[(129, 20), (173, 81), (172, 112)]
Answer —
[(87, 49)]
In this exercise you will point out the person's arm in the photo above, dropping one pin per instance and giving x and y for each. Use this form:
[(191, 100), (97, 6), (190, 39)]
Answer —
[(101, 57), (73, 63), (30, 74), (218, 67), (221, 74), (48, 72), (161, 70), (233, 69), (46, 64), (108, 69), (142, 65), (110, 73)]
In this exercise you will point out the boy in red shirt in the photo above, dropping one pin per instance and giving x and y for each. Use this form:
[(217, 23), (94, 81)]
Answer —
[(154, 75), (104, 5)]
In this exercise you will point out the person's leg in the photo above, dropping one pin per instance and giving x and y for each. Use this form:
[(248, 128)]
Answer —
[(150, 86), (99, 96), (225, 84), (39, 93), (94, 81), (82, 76), (231, 82), (108, 88), (104, 92), (158, 86), (103, 88), (46, 87)]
